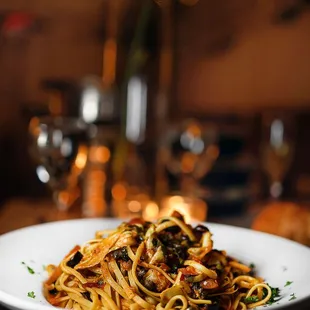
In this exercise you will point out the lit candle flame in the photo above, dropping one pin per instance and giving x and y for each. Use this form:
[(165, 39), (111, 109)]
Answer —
[(193, 209)]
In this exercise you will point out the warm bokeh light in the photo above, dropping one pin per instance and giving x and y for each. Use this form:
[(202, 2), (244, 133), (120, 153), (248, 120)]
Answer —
[(188, 162), (95, 204), (151, 211), (34, 126), (99, 154), (177, 203), (134, 206), (176, 200), (213, 152), (194, 130), (119, 191), (193, 209), (99, 175), (64, 199), (81, 157), (129, 201)]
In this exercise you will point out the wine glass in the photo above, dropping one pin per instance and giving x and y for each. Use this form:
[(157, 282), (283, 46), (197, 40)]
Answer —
[(60, 147), (277, 149), (188, 154)]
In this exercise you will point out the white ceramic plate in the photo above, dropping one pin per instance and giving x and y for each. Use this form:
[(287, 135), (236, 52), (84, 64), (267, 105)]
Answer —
[(276, 259)]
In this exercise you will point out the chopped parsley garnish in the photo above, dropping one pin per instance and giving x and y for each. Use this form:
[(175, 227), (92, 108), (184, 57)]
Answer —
[(292, 297), (30, 270), (288, 283), (252, 265), (31, 294), (275, 294), (250, 299)]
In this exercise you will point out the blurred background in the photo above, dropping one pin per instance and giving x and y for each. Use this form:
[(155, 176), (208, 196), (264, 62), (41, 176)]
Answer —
[(129, 107)]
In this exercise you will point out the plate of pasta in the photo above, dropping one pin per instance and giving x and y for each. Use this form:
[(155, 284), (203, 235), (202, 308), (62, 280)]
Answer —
[(96, 264)]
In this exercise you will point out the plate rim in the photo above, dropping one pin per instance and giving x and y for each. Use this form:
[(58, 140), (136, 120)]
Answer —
[(10, 300)]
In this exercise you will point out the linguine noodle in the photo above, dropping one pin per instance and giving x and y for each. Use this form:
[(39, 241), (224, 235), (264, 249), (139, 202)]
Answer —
[(159, 266)]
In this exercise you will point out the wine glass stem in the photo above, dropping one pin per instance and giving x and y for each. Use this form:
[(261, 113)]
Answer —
[(276, 189), (187, 185)]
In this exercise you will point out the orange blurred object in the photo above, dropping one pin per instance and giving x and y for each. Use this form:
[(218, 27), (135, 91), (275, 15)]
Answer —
[(285, 219)]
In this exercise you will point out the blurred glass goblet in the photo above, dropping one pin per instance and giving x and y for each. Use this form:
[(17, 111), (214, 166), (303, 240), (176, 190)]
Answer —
[(189, 152), (60, 148), (277, 149)]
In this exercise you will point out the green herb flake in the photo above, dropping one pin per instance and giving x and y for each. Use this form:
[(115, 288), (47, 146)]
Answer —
[(288, 283), (292, 297), (218, 266), (252, 265), (275, 294), (31, 294), (30, 270), (250, 299)]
